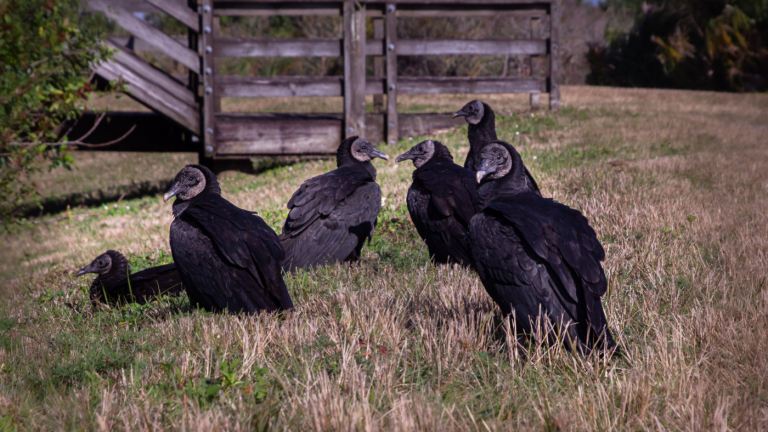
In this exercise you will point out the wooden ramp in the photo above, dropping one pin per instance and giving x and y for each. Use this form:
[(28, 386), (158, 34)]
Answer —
[(194, 103)]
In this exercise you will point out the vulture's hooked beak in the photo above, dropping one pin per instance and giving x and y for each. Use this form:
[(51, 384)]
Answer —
[(175, 189), (484, 169), (405, 156), (459, 113), (86, 269), (379, 154)]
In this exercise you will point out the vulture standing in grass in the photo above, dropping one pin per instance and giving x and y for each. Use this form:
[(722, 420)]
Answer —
[(534, 254), (115, 285), (481, 132), (228, 258), (332, 215), (441, 200)]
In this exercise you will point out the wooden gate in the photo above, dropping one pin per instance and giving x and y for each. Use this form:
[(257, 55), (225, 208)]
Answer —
[(193, 102)]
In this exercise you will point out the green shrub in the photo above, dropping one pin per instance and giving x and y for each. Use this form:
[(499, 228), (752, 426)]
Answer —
[(46, 47), (689, 44)]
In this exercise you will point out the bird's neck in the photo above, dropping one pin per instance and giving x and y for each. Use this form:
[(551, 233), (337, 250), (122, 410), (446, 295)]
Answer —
[(354, 164), (484, 131)]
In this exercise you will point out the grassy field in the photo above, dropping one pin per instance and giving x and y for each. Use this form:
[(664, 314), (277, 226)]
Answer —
[(675, 184)]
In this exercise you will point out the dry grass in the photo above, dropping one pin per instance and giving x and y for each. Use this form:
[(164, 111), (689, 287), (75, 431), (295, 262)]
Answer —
[(674, 183)]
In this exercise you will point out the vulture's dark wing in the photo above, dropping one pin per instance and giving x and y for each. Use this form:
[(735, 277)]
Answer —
[(246, 268), (154, 281), (453, 191), (533, 252), (323, 235), (319, 196)]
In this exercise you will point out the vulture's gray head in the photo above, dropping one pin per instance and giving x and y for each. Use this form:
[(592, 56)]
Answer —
[(472, 111), (190, 182), (364, 151), (495, 162), (420, 154), (101, 265)]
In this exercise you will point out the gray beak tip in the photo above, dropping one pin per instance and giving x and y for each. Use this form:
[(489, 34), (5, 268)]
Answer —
[(384, 156), (480, 175), (81, 272), (167, 196)]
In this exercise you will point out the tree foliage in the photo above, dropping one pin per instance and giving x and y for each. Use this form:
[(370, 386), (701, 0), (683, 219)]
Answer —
[(689, 44), (46, 47)]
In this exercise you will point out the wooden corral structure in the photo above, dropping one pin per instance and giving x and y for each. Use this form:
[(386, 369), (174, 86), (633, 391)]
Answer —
[(187, 110)]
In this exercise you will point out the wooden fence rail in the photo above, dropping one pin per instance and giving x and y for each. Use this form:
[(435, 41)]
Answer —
[(194, 102)]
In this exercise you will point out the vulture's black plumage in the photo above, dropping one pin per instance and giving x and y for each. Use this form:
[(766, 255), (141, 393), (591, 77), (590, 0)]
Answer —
[(533, 253), (116, 285), (441, 200), (228, 258), (481, 132), (332, 215)]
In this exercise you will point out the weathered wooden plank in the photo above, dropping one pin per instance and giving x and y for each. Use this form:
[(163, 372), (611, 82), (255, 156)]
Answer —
[(249, 135), (438, 85), (286, 8), (411, 125), (253, 135), (138, 5), (252, 47), (473, 47), (390, 25), (469, 11), (289, 86), (141, 45), (178, 11), (554, 56), (308, 3), (140, 67), (207, 43), (152, 95), (237, 86), (146, 32), (354, 69)]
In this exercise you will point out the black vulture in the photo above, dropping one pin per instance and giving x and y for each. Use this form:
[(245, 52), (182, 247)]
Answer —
[(228, 258), (332, 215), (116, 285), (534, 254), (441, 200), (481, 132)]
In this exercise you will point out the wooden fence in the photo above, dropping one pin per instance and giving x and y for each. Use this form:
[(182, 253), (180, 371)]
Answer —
[(193, 103)]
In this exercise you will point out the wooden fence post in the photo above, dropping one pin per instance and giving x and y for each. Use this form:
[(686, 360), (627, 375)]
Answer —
[(535, 61), (390, 48), (208, 105), (378, 64), (354, 69), (554, 55)]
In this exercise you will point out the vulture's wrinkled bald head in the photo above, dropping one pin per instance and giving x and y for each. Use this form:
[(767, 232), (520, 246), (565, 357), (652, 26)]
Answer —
[(472, 111), (364, 151), (420, 154), (101, 265), (189, 183), (495, 162)]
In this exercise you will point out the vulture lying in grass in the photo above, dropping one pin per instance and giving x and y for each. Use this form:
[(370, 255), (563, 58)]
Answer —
[(441, 201), (115, 285), (481, 132), (533, 253), (228, 258), (332, 215)]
